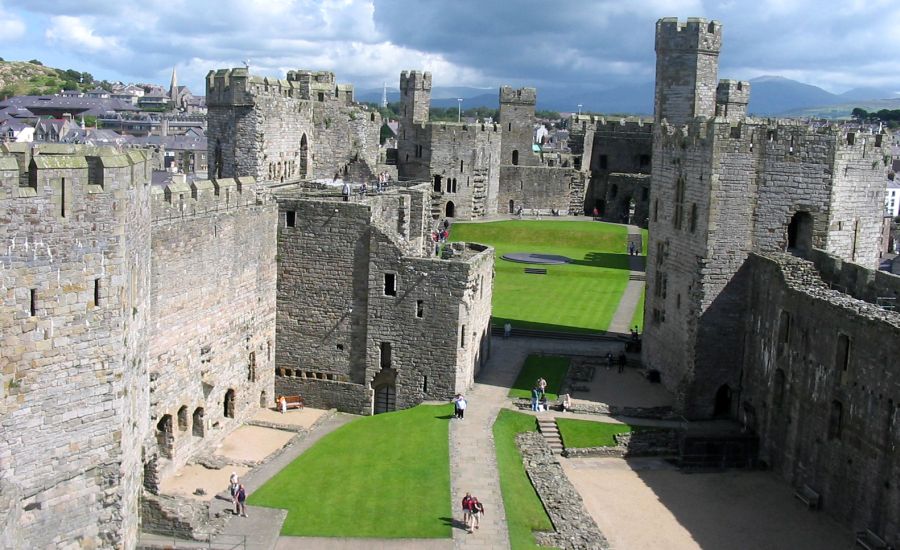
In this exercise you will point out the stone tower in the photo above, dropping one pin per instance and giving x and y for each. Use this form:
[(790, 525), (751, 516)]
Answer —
[(415, 96), (687, 60), (517, 121), (732, 97)]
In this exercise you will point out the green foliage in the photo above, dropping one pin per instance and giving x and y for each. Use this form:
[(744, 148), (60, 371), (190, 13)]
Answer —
[(550, 115), (35, 62), (551, 369), (579, 434), (882, 115), (391, 112), (386, 133), (90, 121), (580, 296), (343, 485), (524, 510)]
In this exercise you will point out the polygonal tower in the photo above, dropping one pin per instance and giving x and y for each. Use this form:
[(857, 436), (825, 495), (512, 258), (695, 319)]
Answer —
[(687, 57), (415, 96), (517, 121)]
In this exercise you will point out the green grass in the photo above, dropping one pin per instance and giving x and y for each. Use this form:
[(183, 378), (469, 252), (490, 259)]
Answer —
[(551, 369), (524, 510), (343, 485), (581, 296), (578, 434)]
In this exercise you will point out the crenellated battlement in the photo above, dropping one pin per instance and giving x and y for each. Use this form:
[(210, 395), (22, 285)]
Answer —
[(518, 96), (695, 35), (415, 81), (181, 198), (41, 170), (237, 87), (582, 123), (733, 91)]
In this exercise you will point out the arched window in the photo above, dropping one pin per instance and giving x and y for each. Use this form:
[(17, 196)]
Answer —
[(183, 418), (198, 428), (229, 404), (450, 210), (304, 157), (437, 183), (164, 437)]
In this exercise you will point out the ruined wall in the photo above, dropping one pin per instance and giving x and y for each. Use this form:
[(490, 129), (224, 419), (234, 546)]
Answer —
[(536, 187), (285, 130), (73, 313), (822, 388), (213, 304)]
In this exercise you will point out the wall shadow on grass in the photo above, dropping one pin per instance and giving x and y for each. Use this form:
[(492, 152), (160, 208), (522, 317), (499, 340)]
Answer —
[(549, 327), (607, 260)]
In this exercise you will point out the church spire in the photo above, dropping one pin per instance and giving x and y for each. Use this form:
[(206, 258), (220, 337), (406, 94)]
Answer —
[(173, 86)]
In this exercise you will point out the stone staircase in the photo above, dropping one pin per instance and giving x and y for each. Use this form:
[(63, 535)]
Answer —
[(548, 429), (576, 193)]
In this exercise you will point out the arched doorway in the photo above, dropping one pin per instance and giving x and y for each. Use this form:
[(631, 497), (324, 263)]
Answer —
[(722, 406), (800, 232), (304, 157), (164, 436), (263, 400), (512, 206), (450, 211), (229, 404), (385, 386)]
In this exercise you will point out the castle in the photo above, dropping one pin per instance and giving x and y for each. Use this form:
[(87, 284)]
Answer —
[(141, 324), (800, 351)]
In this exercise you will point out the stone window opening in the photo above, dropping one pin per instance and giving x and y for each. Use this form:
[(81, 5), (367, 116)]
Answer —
[(321, 96), (693, 220), (290, 218), (679, 203), (437, 183), (33, 301), (778, 389), (32, 180), (425, 384), (604, 162), (251, 367), (851, 138), (197, 427), (722, 405), (183, 418), (655, 210), (228, 403), (460, 166), (784, 332), (420, 308), (263, 399), (385, 355), (878, 140), (96, 292), (95, 171), (842, 354), (450, 211), (164, 436), (62, 197), (515, 156), (512, 206), (462, 337), (836, 420), (268, 350), (613, 191), (304, 157), (390, 284)]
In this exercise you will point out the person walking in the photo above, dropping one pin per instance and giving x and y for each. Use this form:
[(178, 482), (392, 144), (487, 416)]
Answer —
[(461, 405), (241, 500), (609, 360), (535, 397), (345, 190), (623, 360), (476, 510), (233, 484), (507, 329)]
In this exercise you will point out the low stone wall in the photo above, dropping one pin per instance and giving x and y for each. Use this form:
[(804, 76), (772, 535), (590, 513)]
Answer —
[(178, 517), (645, 442), (327, 394), (574, 527)]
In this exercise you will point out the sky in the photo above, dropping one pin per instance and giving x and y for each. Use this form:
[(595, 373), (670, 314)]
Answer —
[(835, 44)]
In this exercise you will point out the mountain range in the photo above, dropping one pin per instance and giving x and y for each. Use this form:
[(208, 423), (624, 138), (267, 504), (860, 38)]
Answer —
[(769, 96)]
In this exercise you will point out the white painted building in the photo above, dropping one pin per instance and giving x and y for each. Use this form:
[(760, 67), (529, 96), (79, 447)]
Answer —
[(892, 199)]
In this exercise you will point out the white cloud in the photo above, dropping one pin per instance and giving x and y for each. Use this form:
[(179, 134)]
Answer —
[(74, 32), (11, 27)]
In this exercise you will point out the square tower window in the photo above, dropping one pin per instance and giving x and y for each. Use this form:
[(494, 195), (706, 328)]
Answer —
[(420, 308), (290, 218)]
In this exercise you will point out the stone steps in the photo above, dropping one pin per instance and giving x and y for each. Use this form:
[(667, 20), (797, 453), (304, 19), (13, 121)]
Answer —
[(550, 431)]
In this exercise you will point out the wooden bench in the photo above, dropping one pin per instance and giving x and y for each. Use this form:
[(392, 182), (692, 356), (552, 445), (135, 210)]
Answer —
[(293, 402), (808, 496), (535, 270), (870, 541)]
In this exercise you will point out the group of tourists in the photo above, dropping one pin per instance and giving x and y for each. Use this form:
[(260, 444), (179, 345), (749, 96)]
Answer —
[(473, 511), (381, 184), (539, 395)]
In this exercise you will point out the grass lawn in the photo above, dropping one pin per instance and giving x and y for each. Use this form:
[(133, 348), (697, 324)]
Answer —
[(524, 510), (579, 296), (341, 486), (638, 317), (551, 369), (578, 434)]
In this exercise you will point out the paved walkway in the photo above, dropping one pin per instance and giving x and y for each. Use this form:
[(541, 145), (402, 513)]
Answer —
[(473, 463), (621, 320)]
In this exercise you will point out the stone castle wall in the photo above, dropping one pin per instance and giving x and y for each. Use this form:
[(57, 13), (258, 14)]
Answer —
[(213, 306), (286, 130), (376, 310), (536, 187), (517, 124), (618, 159), (74, 271), (823, 389)]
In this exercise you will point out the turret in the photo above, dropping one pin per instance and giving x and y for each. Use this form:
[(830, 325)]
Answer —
[(732, 97), (415, 96), (687, 57)]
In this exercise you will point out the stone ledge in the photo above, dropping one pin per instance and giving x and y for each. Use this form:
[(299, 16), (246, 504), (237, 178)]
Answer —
[(574, 527)]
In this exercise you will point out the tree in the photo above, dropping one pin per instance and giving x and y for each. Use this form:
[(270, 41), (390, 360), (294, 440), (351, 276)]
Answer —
[(36, 62), (859, 114)]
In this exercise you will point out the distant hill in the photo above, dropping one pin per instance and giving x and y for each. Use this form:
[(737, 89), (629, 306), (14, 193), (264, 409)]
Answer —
[(769, 96), (26, 78)]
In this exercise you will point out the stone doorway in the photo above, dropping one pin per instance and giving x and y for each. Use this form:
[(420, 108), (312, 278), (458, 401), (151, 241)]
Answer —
[(229, 404), (450, 211), (800, 233), (722, 407), (385, 398)]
